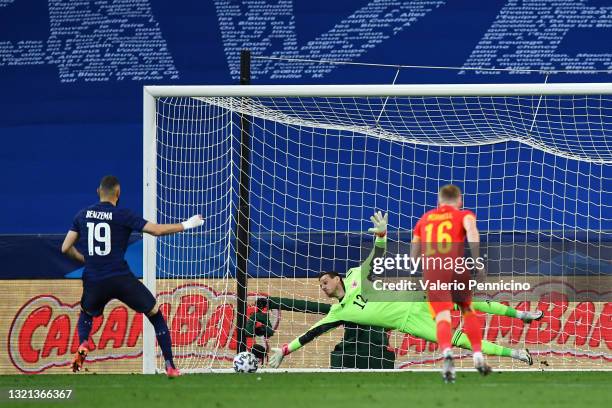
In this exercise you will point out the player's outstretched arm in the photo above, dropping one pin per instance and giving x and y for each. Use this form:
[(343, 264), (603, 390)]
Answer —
[(322, 326), (167, 229), (292, 305), (68, 247)]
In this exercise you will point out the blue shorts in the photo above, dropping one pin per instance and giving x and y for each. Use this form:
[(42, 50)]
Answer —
[(125, 288)]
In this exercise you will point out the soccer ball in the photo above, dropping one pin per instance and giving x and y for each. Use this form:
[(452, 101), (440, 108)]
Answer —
[(245, 362)]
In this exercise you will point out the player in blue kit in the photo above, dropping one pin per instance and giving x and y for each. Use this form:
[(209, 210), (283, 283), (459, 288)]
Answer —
[(107, 275)]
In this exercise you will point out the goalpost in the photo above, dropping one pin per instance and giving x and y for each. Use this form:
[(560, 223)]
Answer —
[(534, 162)]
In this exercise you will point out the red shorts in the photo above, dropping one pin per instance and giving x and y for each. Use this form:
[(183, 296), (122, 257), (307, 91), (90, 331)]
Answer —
[(441, 300), (437, 307)]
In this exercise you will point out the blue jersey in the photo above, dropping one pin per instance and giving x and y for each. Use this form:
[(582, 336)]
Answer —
[(106, 230)]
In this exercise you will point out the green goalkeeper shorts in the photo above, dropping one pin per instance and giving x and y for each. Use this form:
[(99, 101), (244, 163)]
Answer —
[(420, 324)]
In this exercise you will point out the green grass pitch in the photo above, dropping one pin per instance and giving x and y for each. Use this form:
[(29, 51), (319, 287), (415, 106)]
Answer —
[(383, 390)]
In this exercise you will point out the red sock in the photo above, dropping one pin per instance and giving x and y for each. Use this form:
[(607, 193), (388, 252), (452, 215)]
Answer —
[(443, 331), (471, 327)]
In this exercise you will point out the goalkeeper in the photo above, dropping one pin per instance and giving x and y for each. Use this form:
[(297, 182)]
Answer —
[(369, 344), (408, 317)]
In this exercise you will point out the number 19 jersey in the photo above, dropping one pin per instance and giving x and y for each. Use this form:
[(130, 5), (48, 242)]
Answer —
[(106, 230)]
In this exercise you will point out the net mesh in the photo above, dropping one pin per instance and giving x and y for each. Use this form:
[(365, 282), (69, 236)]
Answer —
[(532, 168)]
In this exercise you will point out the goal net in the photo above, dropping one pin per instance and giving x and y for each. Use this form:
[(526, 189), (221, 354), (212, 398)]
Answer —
[(534, 163)]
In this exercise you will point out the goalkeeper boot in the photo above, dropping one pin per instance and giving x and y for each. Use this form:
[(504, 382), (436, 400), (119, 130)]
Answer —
[(79, 357), (448, 367), (481, 365), (523, 355), (528, 317)]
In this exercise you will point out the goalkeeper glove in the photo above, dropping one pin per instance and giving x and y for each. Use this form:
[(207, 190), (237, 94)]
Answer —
[(380, 224), (277, 356), (193, 222)]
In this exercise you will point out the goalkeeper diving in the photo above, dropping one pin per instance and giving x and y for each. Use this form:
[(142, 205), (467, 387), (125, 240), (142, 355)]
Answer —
[(412, 318)]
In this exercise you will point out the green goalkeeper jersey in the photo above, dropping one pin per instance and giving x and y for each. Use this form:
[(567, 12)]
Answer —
[(354, 308)]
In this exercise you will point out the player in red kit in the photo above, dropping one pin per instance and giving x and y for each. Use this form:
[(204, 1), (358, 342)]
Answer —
[(439, 237)]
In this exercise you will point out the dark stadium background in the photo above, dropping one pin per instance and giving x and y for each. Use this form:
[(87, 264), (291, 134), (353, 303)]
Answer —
[(61, 133)]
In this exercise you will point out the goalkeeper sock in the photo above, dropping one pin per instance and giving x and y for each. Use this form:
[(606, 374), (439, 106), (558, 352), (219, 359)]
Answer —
[(163, 337), (512, 312), (84, 326), (495, 308), (443, 335), (492, 349), (500, 309), (471, 327)]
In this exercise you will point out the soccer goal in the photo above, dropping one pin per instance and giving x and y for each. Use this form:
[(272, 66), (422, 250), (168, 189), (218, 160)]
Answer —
[(287, 177)]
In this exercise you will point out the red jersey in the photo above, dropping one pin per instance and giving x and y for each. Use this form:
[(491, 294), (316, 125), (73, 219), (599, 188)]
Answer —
[(442, 237), (442, 226)]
